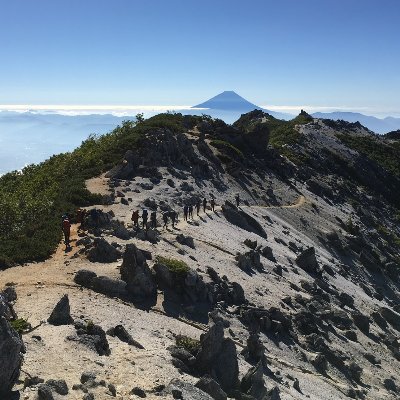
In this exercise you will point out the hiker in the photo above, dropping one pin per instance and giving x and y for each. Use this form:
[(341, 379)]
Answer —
[(165, 219), (135, 218), (204, 204), (153, 219), (198, 205), (145, 215), (212, 202), (237, 198), (66, 228), (185, 212), (191, 211), (173, 216)]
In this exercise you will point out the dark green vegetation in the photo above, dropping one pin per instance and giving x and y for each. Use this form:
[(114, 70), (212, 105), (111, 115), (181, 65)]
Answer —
[(21, 325), (33, 200), (283, 135), (175, 266), (189, 344), (387, 155)]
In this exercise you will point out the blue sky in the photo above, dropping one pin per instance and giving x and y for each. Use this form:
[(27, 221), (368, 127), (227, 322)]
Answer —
[(324, 53)]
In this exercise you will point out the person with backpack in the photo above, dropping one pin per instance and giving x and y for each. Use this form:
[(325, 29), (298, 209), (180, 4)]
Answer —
[(237, 198), (204, 204), (198, 205), (165, 219), (190, 211), (153, 219), (135, 218), (212, 203), (66, 228), (145, 215), (185, 212), (173, 216)]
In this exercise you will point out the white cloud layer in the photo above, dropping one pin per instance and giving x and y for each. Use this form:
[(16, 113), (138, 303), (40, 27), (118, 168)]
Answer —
[(129, 110)]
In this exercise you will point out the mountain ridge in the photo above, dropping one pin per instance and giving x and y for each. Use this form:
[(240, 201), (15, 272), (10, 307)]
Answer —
[(289, 276)]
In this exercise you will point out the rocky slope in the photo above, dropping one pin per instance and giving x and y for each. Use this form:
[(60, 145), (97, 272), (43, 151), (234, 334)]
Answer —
[(294, 294)]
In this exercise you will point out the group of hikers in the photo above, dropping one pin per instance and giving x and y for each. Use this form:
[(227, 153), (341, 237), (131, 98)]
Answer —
[(172, 215), (147, 220), (167, 215)]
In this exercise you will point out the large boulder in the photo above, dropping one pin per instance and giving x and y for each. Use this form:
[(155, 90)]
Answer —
[(126, 169), (249, 261), (211, 387), (103, 252), (11, 346), (217, 357), (183, 390), (308, 261), (391, 316), (84, 277), (253, 382), (92, 336), (137, 274), (185, 240), (242, 220), (231, 293), (369, 261), (61, 313), (109, 286), (122, 334)]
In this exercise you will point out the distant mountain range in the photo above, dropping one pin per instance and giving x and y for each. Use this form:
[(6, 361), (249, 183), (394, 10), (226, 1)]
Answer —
[(376, 125)]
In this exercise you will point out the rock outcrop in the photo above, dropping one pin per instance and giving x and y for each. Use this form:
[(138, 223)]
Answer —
[(61, 313), (11, 348), (137, 274)]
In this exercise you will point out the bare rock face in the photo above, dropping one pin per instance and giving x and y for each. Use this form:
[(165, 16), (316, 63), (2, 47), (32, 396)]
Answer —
[(61, 313), (137, 274), (11, 348)]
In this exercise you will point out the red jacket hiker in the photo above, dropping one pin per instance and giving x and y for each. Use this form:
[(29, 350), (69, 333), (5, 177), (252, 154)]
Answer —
[(66, 227)]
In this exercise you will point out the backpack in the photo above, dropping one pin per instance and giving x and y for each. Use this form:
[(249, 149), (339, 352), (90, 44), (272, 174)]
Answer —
[(66, 225)]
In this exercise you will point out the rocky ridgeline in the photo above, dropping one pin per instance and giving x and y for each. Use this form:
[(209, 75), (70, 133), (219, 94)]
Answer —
[(293, 296)]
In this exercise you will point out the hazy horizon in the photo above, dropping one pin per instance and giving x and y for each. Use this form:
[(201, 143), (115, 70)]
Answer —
[(132, 110)]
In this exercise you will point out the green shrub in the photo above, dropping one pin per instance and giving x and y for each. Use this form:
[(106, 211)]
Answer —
[(175, 266), (21, 325), (387, 155), (189, 344), (285, 133)]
